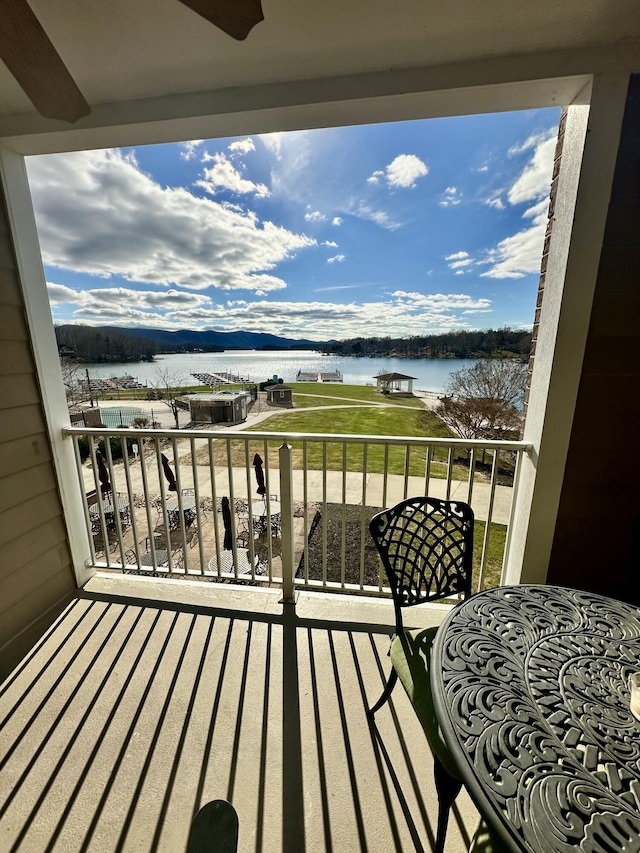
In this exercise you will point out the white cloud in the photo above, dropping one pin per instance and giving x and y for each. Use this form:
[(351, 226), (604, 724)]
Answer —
[(422, 313), (404, 171), (533, 141), (535, 180), (460, 262), (521, 253), (331, 244), (452, 196), (336, 259), (242, 146), (224, 176), (97, 213), (315, 216), (337, 220), (190, 149), (495, 201), (273, 141), (483, 169), (380, 217), (61, 293), (441, 302)]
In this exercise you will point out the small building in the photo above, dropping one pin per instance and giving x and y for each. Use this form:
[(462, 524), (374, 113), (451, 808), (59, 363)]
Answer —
[(391, 383), (280, 395), (222, 407)]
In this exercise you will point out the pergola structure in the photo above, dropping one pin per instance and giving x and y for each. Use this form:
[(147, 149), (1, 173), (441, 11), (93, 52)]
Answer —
[(390, 382)]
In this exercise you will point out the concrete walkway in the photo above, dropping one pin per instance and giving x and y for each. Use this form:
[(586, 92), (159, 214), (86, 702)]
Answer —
[(352, 485)]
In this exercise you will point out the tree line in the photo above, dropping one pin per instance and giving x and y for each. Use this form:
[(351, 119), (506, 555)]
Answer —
[(486, 343), (88, 343)]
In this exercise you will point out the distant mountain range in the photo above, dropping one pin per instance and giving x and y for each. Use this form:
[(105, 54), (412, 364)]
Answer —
[(210, 339)]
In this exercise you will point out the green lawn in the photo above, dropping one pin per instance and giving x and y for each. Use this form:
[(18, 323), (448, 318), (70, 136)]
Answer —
[(365, 393), (366, 421), (495, 553), (302, 401)]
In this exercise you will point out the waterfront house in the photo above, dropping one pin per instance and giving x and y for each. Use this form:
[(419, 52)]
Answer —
[(149, 698)]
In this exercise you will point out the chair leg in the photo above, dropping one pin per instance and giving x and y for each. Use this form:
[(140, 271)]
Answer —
[(448, 789), (391, 683)]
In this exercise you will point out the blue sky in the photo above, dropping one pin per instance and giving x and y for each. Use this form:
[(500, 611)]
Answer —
[(392, 229)]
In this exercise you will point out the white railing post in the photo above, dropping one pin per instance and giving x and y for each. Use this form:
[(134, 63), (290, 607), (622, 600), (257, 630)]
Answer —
[(286, 506)]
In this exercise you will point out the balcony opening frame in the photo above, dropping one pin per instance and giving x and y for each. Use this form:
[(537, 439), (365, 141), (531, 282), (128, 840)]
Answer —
[(595, 103)]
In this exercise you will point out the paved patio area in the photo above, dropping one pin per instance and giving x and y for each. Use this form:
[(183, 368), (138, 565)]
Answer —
[(149, 698)]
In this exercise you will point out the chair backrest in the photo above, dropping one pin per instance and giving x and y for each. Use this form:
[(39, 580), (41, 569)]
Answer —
[(426, 546)]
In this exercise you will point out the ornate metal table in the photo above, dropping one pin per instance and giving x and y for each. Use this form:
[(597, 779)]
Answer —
[(531, 690)]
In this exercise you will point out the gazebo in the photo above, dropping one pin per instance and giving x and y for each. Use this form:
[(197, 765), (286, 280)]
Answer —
[(388, 383)]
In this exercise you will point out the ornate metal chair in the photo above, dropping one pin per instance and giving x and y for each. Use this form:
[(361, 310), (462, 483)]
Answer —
[(426, 547)]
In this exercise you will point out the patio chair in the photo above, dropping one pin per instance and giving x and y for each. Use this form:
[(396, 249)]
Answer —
[(426, 547)]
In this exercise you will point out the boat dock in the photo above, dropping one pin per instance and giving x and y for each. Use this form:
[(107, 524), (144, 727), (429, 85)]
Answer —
[(307, 376), (224, 378)]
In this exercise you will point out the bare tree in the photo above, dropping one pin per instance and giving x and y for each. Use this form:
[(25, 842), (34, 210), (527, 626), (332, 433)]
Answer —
[(169, 388), (75, 390), (484, 401)]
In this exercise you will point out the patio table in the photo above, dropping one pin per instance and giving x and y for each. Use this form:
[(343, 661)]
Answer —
[(226, 562), (259, 513), (188, 509), (531, 690), (108, 507)]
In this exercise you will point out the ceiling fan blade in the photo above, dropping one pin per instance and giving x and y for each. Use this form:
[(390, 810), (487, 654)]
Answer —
[(30, 56), (235, 17)]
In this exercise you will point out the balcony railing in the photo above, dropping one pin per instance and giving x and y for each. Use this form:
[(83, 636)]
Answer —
[(155, 502)]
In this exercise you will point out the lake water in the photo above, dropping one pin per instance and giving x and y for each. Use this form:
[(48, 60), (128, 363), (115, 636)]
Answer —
[(257, 366)]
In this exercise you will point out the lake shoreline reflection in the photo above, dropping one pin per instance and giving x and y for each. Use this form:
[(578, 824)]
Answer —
[(431, 374)]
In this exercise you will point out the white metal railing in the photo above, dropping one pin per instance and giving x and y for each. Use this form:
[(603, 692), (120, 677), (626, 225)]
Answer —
[(309, 530)]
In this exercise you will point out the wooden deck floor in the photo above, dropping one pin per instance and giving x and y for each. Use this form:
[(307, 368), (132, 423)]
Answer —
[(147, 699)]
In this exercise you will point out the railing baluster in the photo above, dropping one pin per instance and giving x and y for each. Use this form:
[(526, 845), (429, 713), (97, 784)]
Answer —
[(199, 507), (85, 504), (363, 511), (286, 504), (267, 496), (472, 474), (130, 496), (214, 501), (407, 468), (512, 510), (427, 469), (449, 472), (114, 504), (385, 475), (145, 488), (324, 513), (343, 540), (181, 519), (487, 529), (305, 504), (341, 566)]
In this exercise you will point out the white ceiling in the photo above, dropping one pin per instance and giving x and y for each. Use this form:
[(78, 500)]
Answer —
[(121, 50), (123, 53)]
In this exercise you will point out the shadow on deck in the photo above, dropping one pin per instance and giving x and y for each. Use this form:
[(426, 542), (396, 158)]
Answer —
[(146, 699)]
